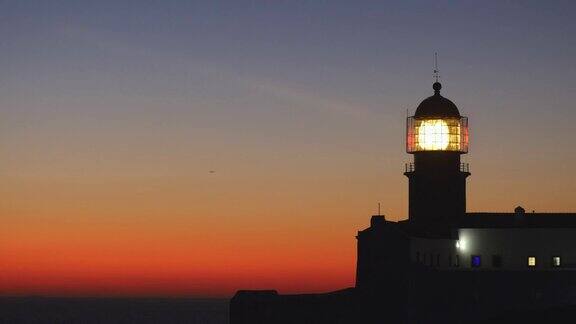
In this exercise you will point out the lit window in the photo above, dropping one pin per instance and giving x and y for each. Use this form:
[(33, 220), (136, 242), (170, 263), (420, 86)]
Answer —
[(556, 261), (476, 261), (531, 261)]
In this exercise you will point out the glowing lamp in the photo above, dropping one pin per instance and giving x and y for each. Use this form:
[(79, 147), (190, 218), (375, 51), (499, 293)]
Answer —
[(437, 134)]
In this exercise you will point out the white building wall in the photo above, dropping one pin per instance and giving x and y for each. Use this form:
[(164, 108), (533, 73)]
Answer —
[(513, 245)]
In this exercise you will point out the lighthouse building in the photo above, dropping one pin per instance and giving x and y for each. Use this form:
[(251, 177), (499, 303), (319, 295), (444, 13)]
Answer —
[(442, 264), (439, 233)]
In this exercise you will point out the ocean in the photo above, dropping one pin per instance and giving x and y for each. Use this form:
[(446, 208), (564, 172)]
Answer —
[(34, 310)]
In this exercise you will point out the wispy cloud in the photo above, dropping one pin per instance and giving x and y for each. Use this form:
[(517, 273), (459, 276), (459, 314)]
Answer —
[(310, 99)]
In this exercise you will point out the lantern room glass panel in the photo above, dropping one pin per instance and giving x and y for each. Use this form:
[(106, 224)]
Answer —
[(437, 134)]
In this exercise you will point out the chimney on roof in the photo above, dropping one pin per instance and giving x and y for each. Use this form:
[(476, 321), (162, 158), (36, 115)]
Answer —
[(519, 214), (377, 220)]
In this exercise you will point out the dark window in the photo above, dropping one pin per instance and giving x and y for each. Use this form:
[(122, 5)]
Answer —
[(450, 260), (457, 261), (497, 261), (475, 261), (437, 260), (417, 256)]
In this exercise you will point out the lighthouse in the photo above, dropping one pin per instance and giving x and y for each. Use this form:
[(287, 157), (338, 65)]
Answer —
[(437, 136), (443, 264)]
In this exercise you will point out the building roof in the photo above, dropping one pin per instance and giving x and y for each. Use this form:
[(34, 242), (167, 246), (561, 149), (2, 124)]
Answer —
[(486, 220), (517, 220), (436, 105)]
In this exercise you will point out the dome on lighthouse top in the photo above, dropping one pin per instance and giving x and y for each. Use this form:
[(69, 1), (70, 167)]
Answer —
[(436, 105)]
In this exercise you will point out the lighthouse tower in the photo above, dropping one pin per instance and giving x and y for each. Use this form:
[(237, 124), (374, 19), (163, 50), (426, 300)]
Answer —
[(437, 136)]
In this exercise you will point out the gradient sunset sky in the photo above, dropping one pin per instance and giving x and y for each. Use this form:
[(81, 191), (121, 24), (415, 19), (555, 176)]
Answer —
[(114, 113)]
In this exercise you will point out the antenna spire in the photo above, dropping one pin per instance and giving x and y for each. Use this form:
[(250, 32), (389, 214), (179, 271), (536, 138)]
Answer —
[(436, 71)]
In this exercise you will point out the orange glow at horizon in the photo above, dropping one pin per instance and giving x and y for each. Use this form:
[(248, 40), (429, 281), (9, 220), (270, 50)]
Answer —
[(280, 223), (211, 234), (92, 240)]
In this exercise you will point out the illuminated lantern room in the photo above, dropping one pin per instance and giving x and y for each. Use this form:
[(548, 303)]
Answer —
[(437, 126)]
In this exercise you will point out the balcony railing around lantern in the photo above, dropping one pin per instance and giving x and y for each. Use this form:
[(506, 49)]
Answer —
[(437, 134), (410, 167)]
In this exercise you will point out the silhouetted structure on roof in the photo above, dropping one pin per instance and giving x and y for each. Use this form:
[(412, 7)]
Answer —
[(442, 264)]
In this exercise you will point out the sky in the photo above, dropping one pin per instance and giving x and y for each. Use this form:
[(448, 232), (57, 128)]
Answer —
[(194, 148)]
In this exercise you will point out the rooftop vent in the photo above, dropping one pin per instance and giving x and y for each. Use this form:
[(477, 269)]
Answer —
[(377, 220)]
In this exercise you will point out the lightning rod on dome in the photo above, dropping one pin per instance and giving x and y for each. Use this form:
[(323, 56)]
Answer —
[(436, 71)]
